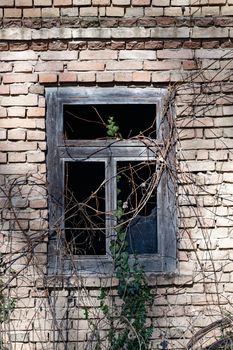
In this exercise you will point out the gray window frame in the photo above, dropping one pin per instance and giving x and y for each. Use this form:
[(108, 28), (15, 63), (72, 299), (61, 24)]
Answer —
[(60, 150)]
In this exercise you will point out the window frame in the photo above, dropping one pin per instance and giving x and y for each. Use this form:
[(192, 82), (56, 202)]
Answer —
[(61, 150)]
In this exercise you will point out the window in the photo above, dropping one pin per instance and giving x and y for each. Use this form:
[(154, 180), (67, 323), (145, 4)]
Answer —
[(105, 164)]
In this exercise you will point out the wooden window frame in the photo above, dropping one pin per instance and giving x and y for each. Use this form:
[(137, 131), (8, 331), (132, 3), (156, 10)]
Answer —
[(61, 150)]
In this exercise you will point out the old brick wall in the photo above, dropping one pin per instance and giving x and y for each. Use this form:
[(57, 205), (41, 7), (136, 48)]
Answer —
[(182, 45)]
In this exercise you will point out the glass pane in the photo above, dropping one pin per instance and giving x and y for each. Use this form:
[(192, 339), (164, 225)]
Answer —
[(137, 198), (88, 122), (85, 207)]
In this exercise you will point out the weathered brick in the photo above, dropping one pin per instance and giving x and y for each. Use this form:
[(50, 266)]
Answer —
[(42, 2), (162, 65), (104, 77), (18, 169), (62, 2), (7, 3), (23, 67), (16, 157), (115, 11), (23, 3), (137, 54), (4, 89), (50, 12), (10, 12), (35, 112), (47, 78), (67, 77), (89, 11), (16, 134), (51, 66), (16, 112), (29, 100), (35, 156), (86, 66), (20, 89), (58, 55), (98, 55), (2, 134), (20, 78), (141, 76), (18, 56), (124, 65), (123, 76), (33, 12), (86, 77), (5, 67)]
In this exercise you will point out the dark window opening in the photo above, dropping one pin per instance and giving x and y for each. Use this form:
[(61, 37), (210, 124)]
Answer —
[(88, 122), (137, 197), (85, 207)]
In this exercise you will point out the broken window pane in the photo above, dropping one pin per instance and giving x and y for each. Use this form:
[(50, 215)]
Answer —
[(88, 122), (137, 198), (85, 207)]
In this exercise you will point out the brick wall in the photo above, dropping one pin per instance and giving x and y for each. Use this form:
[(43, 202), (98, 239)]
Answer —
[(179, 44)]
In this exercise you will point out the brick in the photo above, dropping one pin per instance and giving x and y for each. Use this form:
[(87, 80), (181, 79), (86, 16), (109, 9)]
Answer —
[(35, 135), (34, 12), (137, 54), (103, 77), (62, 2), (115, 11), (123, 76), (50, 12), (29, 100), (16, 134), (98, 55), (23, 67), (82, 33), (20, 78), (121, 2), (141, 76), (211, 11), (47, 78), (36, 112), (5, 67), (35, 156), (16, 157), (89, 11), (19, 89), (3, 157), (124, 65), (59, 56), (209, 33), (161, 77), (14, 13), (18, 169), (23, 3), (7, 3), (86, 77), (130, 33), (67, 77), (16, 112), (82, 2), (18, 56), (86, 66), (100, 2), (162, 65), (4, 89), (175, 54), (174, 33), (158, 3), (42, 2), (134, 12), (51, 66), (2, 134)]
